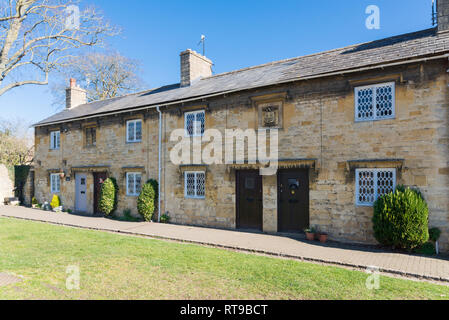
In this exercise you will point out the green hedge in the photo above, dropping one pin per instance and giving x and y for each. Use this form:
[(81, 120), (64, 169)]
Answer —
[(108, 196), (146, 202), (401, 219)]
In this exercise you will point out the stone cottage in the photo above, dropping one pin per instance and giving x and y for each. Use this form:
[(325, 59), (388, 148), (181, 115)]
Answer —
[(351, 123)]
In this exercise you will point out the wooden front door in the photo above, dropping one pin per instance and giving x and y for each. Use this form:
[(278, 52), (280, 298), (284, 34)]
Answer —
[(293, 197), (99, 178), (249, 200)]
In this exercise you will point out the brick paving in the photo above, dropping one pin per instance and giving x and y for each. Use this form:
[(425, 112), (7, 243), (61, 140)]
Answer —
[(361, 257)]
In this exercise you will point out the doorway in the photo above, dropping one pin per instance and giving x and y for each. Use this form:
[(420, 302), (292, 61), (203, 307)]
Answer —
[(293, 200), (249, 200), (81, 192)]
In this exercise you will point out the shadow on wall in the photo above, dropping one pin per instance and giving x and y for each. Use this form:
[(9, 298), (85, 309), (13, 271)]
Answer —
[(6, 184)]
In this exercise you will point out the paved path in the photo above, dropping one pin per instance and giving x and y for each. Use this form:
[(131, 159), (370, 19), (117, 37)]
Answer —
[(339, 254)]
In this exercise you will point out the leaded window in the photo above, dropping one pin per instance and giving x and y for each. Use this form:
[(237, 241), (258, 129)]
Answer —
[(195, 184), (134, 131), (375, 102), (91, 137), (194, 123), (372, 184), (133, 183)]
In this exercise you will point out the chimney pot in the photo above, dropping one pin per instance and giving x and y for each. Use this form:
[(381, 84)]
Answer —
[(72, 82)]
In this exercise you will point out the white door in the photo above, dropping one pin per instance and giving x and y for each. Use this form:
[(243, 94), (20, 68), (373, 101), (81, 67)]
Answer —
[(81, 192)]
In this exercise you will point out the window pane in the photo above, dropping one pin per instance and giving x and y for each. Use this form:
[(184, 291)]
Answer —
[(131, 136), (385, 182), (190, 184), (366, 189), (200, 184), (94, 136), (138, 130), (365, 105), (384, 101), (130, 183), (190, 118), (199, 125), (88, 137), (138, 183)]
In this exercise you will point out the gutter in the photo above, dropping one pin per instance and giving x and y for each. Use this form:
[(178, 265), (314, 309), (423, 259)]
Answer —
[(322, 75), (159, 165)]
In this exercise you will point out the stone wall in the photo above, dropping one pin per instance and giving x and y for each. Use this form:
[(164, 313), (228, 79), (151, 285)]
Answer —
[(112, 154), (6, 184), (318, 123)]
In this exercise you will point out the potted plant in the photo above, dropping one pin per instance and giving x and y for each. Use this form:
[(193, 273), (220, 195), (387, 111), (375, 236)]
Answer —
[(310, 233), (34, 203), (323, 237)]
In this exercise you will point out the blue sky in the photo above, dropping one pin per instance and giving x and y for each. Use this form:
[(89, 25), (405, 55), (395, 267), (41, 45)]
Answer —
[(239, 34)]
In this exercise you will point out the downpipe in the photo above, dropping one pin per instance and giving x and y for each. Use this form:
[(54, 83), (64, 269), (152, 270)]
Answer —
[(159, 165)]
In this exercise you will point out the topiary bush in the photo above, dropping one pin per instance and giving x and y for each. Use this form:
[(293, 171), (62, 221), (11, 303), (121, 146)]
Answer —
[(146, 201), (107, 203), (155, 185), (34, 201), (55, 202), (401, 219)]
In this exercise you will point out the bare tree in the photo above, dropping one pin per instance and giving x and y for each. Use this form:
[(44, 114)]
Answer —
[(16, 143), (39, 36), (103, 75)]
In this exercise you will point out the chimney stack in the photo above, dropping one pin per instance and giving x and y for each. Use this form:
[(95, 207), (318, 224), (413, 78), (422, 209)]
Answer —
[(75, 96), (193, 67), (443, 15)]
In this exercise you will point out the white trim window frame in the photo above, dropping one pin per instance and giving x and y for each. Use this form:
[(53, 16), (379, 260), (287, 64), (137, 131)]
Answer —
[(373, 103), (55, 140), (133, 135), (133, 184), (195, 184), (55, 183), (195, 123), (373, 183)]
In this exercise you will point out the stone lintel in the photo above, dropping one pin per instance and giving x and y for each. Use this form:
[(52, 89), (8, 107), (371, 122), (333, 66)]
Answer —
[(192, 167), (375, 163)]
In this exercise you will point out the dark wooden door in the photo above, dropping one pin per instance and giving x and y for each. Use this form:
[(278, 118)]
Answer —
[(249, 200), (99, 178), (293, 197)]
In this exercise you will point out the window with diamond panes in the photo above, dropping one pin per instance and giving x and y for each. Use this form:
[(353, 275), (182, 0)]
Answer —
[(372, 184), (375, 102), (194, 183), (194, 123)]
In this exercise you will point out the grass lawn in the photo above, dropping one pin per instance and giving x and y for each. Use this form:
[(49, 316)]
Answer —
[(122, 267)]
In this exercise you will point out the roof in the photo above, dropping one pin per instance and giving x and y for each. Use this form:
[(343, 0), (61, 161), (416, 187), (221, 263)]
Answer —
[(414, 45)]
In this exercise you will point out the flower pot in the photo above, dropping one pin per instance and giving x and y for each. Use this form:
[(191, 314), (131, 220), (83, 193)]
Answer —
[(310, 236), (323, 237)]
